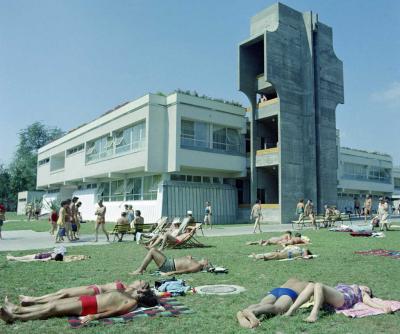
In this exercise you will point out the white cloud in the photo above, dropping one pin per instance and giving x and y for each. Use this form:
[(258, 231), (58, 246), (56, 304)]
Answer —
[(390, 96)]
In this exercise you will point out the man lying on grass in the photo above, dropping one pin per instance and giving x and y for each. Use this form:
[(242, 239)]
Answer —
[(276, 302), (90, 307), (171, 266), (289, 252), (78, 291), (44, 257), (341, 297)]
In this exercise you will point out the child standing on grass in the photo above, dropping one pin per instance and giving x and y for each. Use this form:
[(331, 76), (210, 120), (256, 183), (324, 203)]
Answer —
[(2, 217)]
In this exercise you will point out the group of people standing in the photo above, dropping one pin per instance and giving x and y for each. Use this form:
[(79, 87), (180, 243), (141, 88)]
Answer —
[(68, 221)]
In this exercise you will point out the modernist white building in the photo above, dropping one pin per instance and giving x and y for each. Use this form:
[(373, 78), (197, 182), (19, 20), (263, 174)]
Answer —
[(162, 154)]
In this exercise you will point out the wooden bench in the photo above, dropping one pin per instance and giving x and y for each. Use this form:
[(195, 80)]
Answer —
[(126, 229)]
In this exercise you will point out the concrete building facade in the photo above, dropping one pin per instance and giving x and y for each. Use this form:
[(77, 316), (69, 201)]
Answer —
[(289, 61)]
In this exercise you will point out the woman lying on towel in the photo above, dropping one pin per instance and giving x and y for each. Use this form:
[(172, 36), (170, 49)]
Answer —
[(289, 252), (89, 307), (78, 291), (43, 257), (341, 297)]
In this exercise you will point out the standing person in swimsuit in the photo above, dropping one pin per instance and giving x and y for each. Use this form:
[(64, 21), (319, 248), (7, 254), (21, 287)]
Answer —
[(90, 290), (300, 210), (272, 241), (68, 220), (170, 266), (78, 218), (277, 301), (61, 222), (289, 252), (309, 213), (256, 214), (341, 297), (367, 207), (101, 220), (74, 226), (207, 215), (89, 307)]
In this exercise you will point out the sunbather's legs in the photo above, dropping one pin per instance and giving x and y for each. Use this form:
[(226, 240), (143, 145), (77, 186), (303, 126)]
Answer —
[(60, 294), (324, 294), (21, 258), (303, 297), (153, 255), (69, 306)]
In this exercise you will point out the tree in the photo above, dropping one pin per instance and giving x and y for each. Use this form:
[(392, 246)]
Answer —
[(23, 167)]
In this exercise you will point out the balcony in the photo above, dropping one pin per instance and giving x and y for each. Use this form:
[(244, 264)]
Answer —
[(268, 108), (267, 157)]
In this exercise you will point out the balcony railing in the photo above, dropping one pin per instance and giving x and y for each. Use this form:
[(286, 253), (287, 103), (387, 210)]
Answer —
[(366, 179), (271, 150)]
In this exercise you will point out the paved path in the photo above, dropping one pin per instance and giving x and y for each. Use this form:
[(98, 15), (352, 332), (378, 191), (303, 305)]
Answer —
[(27, 239)]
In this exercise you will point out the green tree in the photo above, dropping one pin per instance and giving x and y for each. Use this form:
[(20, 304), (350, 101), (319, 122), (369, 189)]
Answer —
[(4, 186), (23, 167)]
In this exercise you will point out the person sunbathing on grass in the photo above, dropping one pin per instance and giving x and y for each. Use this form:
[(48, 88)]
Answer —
[(43, 257), (341, 297), (171, 266), (90, 290), (296, 240), (89, 307), (289, 252), (277, 301), (272, 241)]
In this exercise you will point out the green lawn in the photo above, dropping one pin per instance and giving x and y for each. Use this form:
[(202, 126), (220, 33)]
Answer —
[(336, 263)]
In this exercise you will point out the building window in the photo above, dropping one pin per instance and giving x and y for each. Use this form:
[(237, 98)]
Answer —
[(133, 189), (195, 134), (210, 136), (131, 139), (117, 190), (75, 149), (103, 191), (354, 171), (178, 177), (216, 180), (43, 161), (206, 179), (91, 186), (379, 174), (57, 162), (150, 187), (397, 183)]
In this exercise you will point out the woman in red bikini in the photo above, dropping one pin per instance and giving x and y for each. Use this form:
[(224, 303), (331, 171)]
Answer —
[(91, 290), (88, 306)]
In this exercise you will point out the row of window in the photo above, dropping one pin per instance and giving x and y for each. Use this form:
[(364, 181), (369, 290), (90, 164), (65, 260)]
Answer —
[(137, 189), (210, 136), (75, 149), (362, 172), (195, 178), (44, 161), (131, 139)]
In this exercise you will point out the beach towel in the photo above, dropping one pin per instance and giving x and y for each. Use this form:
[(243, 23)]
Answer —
[(361, 310), (168, 307), (381, 252)]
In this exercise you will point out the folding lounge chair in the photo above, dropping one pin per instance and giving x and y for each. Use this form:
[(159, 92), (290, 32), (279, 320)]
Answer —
[(190, 241)]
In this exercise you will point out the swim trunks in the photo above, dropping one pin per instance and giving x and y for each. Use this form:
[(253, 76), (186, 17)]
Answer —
[(42, 256), (89, 305), (168, 265), (279, 292)]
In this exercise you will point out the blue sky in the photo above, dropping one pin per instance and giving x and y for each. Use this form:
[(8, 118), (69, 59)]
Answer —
[(66, 62)]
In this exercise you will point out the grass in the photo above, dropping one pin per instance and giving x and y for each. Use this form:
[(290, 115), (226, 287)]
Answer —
[(336, 263)]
